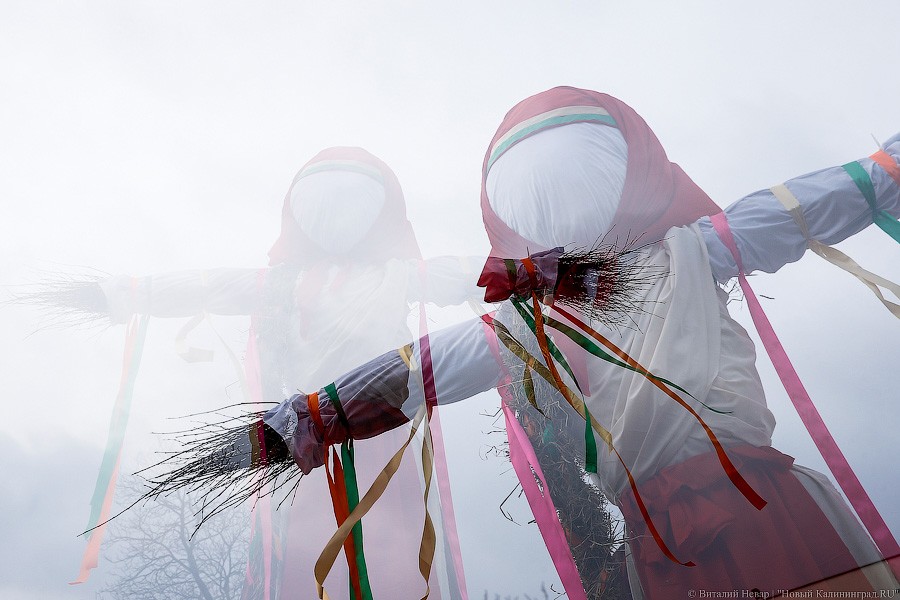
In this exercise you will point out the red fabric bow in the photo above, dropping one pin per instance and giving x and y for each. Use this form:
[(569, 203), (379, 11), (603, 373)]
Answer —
[(505, 277)]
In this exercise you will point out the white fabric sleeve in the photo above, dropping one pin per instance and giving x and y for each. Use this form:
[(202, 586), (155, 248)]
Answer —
[(448, 280), (463, 365), (832, 205), (183, 293)]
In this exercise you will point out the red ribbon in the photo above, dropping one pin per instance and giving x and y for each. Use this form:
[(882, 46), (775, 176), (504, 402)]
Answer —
[(739, 482)]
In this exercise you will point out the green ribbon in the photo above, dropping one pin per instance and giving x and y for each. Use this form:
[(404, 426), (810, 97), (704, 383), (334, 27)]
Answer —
[(118, 422), (554, 351), (545, 124), (882, 218), (590, 444), (350, 482), (589, 345)]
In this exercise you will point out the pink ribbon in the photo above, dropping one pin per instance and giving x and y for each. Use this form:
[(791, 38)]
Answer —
[(810, 416), (261, 512), (526, 466), (443, 481), (525, 463)]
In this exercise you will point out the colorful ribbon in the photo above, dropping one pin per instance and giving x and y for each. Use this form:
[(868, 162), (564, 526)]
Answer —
[(810, 416), (590, 444), (104, 489), (536, 324), (836, 257), (524, 459), (332, 548), (345, 471), (434, 438), (250, 378), (338, 492), (730, 470), (527, 467), (885, 221), (884, 160), (518, 350)]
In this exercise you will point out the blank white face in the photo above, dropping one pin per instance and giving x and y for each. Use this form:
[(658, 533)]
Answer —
[(336, 208), (561, 186)]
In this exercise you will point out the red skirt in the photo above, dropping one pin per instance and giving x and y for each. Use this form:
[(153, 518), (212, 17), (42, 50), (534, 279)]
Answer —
[(703, 518)]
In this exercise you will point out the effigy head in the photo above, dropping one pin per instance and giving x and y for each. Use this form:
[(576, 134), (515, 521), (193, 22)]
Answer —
[(568, 167), (344, 200)]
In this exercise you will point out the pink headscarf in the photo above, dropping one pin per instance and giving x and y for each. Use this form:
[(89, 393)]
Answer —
[(657, 194), (391, 236)]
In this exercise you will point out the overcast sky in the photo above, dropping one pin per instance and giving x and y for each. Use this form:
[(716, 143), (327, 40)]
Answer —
[(144, 137)]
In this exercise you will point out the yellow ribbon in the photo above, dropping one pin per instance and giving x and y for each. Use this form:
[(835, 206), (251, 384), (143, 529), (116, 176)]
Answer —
[(836, 257), (329, 554)]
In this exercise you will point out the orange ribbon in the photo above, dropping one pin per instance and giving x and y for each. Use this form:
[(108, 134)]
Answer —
[(567, 393), (736, 478), (887, 163), (338, 490)]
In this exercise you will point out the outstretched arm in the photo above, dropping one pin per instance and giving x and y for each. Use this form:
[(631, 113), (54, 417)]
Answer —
[(183, 293), (833, 207), (229, 464), (385, 392), (447, 280)]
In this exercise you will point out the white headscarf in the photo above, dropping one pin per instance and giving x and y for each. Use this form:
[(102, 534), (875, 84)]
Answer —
[(561, 186)]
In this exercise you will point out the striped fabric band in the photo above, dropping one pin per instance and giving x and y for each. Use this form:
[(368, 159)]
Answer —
[(552, 118), (341, 165)]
